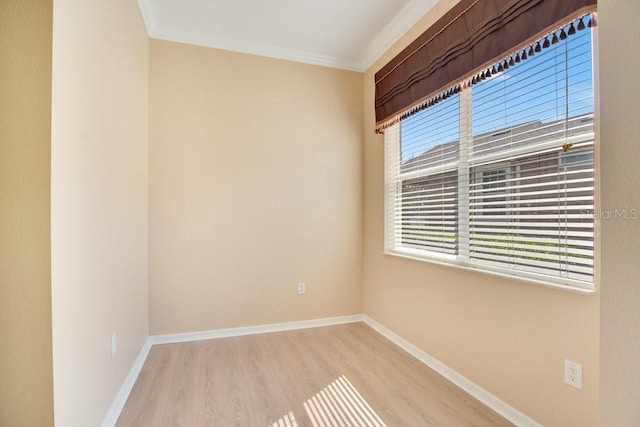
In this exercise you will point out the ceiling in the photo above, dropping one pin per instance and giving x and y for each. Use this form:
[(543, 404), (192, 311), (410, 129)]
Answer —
[(346, 34)]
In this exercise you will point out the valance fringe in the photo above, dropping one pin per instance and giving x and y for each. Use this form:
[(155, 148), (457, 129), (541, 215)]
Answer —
[(521, 53)]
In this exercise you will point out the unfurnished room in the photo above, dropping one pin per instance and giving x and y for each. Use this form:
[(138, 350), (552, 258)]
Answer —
[(319, 213)]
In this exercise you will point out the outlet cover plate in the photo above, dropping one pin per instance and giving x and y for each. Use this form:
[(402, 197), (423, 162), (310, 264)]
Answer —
[(573, 374)]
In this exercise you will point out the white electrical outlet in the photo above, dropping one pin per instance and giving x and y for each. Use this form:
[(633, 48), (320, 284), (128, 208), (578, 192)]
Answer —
[(114, 344), (573, 374), (302, 288)]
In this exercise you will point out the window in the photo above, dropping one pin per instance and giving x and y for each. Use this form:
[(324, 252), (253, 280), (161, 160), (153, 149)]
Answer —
[(500, 175), (491, 182)]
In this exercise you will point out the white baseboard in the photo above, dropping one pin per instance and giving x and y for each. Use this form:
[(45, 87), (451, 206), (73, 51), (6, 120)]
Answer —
[(121, 398), (499, 406), (252, 330)]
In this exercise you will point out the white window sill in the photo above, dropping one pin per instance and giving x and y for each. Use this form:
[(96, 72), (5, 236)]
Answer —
[(451, 261)]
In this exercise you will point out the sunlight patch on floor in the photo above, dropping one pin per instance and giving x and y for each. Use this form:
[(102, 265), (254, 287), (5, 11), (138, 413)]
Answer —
[(340, 405), (287, 421)]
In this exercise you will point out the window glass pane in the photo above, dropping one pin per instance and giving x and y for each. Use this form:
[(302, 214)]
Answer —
[(542, 99), (531, 179), (429, 208), (534, 215), (431, 137)]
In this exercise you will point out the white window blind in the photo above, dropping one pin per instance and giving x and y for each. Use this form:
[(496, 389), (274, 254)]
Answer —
[(424, 209), (501, 175)]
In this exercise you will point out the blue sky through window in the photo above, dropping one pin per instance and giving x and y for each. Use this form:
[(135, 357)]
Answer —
[(555, 84)]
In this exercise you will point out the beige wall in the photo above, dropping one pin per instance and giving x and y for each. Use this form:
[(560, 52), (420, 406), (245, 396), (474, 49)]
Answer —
[(506, 336), (620, 299), (26, 378), (255, 184), (99, 202), (242, 209)]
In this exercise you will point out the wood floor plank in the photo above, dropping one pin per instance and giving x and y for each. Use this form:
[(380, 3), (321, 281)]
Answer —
[(337, 375)]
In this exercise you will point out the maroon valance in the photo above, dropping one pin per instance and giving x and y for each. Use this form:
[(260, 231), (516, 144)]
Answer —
[(473, 35)]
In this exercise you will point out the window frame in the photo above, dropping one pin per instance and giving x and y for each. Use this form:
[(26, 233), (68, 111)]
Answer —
[(461, 260)]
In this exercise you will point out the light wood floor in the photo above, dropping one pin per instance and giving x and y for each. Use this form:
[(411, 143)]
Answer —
[(337, 375)]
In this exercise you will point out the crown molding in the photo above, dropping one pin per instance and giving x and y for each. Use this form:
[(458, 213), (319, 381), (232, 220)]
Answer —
[(390, 34), (396, 28), (147, 16), (270, 51)]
